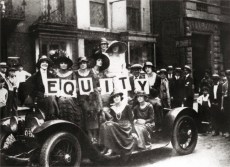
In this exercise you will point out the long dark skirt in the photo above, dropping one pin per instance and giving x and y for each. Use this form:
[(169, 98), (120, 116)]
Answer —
[(117, 136), (144, 137), (70, 110)]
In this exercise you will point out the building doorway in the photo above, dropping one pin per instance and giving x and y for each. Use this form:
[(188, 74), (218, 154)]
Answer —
[(200, 57), (225, 41)]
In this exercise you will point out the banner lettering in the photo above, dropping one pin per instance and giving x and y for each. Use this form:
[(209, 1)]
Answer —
[(142, 84), (85, 86), (106, 85), (52, 87)]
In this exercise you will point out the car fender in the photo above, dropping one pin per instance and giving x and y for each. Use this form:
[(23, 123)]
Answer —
[(54, 126), (174, 114)]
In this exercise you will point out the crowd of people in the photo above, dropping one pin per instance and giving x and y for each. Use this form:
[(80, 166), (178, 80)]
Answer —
[(116, 120)]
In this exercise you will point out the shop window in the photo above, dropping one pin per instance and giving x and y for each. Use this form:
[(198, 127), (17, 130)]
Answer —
[(52, 48), (225, 7), (140, 52), (97, 13), (133, 15), (53, 6)]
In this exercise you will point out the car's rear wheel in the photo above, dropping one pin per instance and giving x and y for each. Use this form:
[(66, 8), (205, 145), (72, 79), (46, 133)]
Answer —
[(61, 149), (184, 137)]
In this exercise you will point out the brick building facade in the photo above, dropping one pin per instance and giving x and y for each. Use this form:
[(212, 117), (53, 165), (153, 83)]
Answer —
[(194, 32), (76, 26)]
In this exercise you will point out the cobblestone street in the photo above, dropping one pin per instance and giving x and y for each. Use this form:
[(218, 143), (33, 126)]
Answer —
[(210, 152)]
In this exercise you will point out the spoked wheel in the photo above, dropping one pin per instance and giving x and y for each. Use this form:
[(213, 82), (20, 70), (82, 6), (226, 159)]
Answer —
[(6, 140), (185, 135), (61, 149)]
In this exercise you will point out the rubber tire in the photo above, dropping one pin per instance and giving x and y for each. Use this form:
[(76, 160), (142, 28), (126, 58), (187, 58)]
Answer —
[(52, 141), (174, 139)]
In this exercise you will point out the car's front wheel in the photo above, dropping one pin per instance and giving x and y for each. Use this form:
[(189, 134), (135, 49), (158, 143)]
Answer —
[(184, 137), (61, 149)]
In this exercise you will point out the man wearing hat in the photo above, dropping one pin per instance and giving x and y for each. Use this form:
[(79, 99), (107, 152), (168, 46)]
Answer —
[(226, 104), (207, 80), (188, 87), (216, 101), (136, 71), (177, 89), (3, 69), (37, 88), (164, 90)]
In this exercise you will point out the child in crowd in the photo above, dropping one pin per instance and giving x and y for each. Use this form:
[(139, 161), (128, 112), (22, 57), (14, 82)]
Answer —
[(3, 97), (204, 106)]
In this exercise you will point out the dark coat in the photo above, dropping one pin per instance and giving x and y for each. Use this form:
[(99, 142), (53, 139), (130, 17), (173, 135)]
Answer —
[(188, 91), (177, 91), (155, 89), (219, 95)]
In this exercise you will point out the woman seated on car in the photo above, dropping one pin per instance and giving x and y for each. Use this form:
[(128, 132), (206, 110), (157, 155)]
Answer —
[(143, 120), (116, 135)]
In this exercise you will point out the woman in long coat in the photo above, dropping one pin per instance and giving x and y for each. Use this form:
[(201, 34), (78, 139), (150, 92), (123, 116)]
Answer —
[(90, 103), (117, 134), (37, 84), (69, 106)]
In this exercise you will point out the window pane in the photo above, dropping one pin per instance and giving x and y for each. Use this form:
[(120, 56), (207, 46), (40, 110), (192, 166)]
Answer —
[(133, 19), (97, 14)]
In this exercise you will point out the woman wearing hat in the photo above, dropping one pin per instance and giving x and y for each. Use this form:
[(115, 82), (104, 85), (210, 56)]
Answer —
[(116, 134), (164, 90), (69, 107), (100, 63), (143, 119), (37, 86), (90, 111), (116, 52)]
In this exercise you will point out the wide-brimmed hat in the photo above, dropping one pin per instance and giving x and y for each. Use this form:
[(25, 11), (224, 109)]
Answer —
[(114, 93), (186, 67), (64, 59), (148, 64), (141, 93), (122, 47), (44, 58), (105, 60), (81, 59), (3, 65), (104, 41)]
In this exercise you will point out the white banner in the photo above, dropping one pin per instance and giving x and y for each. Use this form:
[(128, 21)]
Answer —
[(68, 88), (52, 87), (141, 84), (85, 85), (106, 85)]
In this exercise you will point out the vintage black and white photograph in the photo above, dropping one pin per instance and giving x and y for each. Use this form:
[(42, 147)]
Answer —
[(114, 83)]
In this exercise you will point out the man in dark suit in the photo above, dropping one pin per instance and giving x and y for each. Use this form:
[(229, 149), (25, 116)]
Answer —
[(188, 87), (136, 74), (216, 101), (177, 89)]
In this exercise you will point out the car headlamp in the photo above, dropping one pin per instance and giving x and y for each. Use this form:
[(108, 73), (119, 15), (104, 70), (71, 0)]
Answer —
[(14, 124)]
